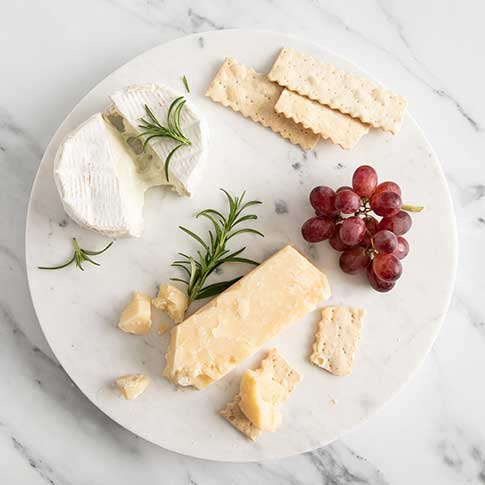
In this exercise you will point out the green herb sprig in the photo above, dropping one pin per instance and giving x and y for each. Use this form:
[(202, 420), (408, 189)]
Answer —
[(79, 257), (214, 253), (186, 83), (153, 129)]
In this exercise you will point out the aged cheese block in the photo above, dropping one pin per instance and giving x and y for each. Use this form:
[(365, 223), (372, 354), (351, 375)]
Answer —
[(234, 325)]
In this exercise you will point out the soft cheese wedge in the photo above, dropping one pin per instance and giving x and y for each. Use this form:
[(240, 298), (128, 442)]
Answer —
[(264, 390), (97, 182), (126, 113), (211, 342)]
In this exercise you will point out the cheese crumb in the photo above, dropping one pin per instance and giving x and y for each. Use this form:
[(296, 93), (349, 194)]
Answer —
[(136, 317), (131, 386), (174, 301), (163, 328)]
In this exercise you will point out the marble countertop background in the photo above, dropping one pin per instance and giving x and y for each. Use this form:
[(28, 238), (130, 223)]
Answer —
[(53, 52)]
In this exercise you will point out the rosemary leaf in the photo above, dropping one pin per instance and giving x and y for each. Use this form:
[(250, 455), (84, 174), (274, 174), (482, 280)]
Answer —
[(186, 83), (79, 257), (215, 253), (152, 128)]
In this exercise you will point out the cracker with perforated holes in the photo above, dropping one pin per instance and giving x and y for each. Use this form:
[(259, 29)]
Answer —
[(354, 95), (254, 96), (336, 339), (280, 372), (331, 124), (232, 413)]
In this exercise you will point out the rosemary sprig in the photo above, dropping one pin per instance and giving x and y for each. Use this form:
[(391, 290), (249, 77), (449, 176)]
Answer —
[(186, 83), (214, 253), (152, 128), (79, 257)]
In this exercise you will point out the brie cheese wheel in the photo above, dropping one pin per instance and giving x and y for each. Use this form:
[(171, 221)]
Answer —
[(126, 113), (102, 170), (97, 180)]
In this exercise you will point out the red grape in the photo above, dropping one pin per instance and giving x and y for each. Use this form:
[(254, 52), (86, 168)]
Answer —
[(347, 201), (387, 267), (385, 242), (323, 201), (386, 204), (364, 181), (336, 242), (353, 260), (344, 187), (366, 241), (388, 187), (376, 283), (371, 225), (318, 229), (352, 231), (402, 249), (398, 224)]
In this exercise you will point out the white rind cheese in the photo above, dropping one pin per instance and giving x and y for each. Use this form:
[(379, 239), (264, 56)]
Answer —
[(97, 181), (102, 172), (238, 322), (126, 113)]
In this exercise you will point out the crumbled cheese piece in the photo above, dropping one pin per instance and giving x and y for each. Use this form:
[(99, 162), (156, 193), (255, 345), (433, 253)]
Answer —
[(136, 317), (173, 300), (131, 386)]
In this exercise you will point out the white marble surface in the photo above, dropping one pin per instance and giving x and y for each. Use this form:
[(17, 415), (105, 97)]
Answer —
[(53, 53)]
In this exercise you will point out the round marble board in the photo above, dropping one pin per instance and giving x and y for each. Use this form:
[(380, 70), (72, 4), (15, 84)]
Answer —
[(78, 311)]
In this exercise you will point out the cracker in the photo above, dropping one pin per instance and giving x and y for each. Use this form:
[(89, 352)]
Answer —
[(331, 124), (232, 413), (336, 339), (354, 95), (254, 96), (281, 372)]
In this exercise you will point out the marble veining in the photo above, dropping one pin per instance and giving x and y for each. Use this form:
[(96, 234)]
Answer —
[(433, 431)]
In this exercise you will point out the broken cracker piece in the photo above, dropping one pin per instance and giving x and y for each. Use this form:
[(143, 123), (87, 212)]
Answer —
[(354, 95), (232, 413), (257, 406), (336, 339), (331, 124), (254, 96)]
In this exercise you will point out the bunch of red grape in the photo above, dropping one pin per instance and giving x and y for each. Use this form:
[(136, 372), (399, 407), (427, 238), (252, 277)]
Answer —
[(344, 217)]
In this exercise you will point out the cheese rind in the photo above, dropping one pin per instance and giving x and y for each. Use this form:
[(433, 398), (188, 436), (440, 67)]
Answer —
[(336, 339), (96, 180), (264, 390), (238, 322), (131, 386), (136, 317)]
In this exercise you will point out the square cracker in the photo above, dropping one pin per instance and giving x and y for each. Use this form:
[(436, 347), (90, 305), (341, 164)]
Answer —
[(354, 95), (331, 124), (254, 96), (282, 373), (336, 339)]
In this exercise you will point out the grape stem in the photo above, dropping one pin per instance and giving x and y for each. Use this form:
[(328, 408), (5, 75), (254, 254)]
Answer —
[(412, 208)]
